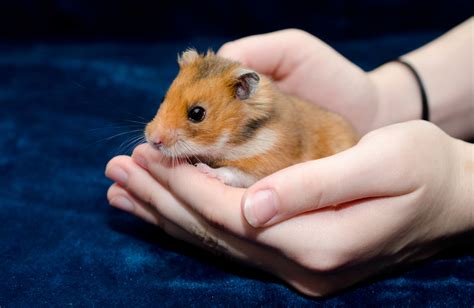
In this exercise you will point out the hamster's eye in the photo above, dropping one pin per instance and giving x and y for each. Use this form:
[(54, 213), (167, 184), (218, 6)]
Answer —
[(196, 114)]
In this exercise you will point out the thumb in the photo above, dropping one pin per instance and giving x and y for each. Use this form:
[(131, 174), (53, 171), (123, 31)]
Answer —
[(357, 173)]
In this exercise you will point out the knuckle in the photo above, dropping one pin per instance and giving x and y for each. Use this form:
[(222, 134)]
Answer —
[(373, 135), (171, 181), (295, 32), (308, 183), (226, 47), (408, 133), (213, 218), (166, 183), (139, 150), (300, 36), (151, 199), (313, 182), (428, 130)]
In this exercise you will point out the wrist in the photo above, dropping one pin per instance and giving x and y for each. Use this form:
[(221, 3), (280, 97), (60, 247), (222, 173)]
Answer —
[(398, 95), (445, 67), (451, 194), (465, 183), (457, 201)]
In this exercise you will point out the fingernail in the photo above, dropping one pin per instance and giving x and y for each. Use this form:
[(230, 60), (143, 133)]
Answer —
[(260, 208), (122, 203), (140, 160), (118, 175)]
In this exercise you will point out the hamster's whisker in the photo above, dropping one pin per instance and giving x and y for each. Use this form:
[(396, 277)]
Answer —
[(162, 158), (184, 153), (112, 137), (180, 155), (193, 151), (121, 134), (135, 115), (183, 144), (187, 157), (181, 152), (118, 126), (130, 144), (136, 122), (173, 154)]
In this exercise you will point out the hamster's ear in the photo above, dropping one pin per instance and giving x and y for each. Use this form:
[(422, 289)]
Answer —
[(187, 57), (247, 83)]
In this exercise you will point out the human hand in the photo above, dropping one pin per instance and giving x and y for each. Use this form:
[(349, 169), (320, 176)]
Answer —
[(414, 165), (398, 192), (306, 67)]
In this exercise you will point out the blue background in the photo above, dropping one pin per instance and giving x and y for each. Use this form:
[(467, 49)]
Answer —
[(157, 20), (75, 73)]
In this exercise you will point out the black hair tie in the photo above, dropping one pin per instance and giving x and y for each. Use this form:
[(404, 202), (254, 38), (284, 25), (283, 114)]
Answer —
[(425, 111)]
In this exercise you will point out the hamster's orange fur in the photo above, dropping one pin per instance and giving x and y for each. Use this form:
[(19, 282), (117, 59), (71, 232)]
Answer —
[(299, 131)]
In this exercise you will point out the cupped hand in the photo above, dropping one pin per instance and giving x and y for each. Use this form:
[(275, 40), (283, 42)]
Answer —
[(304, 66), (413, 165), (389, 200)]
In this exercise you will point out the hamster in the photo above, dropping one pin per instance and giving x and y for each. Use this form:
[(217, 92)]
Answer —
[(237, 125)]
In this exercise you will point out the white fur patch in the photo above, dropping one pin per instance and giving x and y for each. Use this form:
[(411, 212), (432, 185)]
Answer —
[(189, 148), (229, 175), (261, 143)]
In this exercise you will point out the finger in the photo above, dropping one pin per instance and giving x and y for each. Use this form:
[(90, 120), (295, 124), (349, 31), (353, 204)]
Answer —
[(215, 241), (275, 54), (120, 198), (364, 171), (123, 200), (270, 260), (150, 194), (140, 185), (219, 204)]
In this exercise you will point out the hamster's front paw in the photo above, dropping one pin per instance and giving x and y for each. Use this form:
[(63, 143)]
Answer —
[(228, 175), (211, 172)]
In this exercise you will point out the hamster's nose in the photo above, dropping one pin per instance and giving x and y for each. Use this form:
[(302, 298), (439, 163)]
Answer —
[(157, 144)]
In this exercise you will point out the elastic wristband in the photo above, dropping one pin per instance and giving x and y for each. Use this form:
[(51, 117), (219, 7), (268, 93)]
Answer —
[(425, 111)]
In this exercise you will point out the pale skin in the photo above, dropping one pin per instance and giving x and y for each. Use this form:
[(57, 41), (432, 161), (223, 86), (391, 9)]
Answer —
[(398, 196)]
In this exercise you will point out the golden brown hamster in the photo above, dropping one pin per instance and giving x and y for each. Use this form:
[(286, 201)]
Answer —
[(238, 124)]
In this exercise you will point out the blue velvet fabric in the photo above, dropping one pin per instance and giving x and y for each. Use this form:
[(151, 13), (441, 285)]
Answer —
[(61, 244)]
